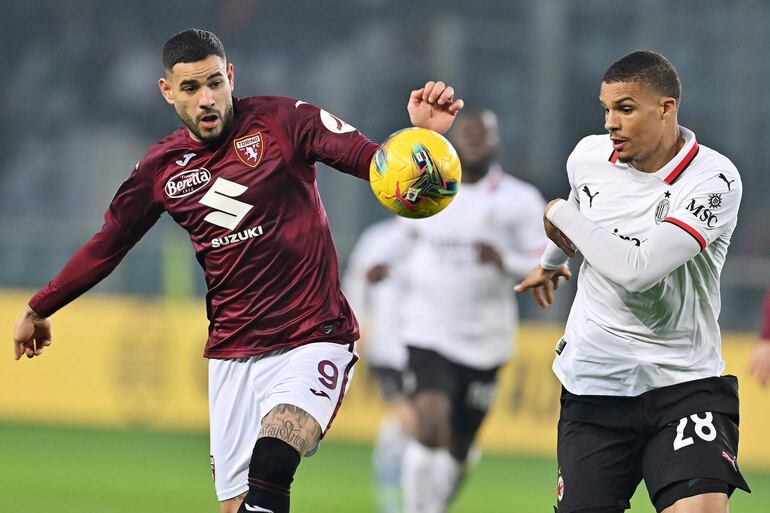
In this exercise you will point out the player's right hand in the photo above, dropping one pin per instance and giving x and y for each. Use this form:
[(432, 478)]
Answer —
[(759, 364), (31, 335), (543, 282)]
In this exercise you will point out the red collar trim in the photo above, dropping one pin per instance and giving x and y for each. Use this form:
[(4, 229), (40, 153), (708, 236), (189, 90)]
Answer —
[(686, 161)]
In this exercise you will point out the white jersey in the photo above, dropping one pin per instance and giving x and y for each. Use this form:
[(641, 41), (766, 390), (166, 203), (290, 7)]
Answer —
[(377, 305), (457, 306), (629, 334)]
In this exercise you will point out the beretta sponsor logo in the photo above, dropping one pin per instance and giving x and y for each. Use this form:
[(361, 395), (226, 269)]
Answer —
[(187, 182)]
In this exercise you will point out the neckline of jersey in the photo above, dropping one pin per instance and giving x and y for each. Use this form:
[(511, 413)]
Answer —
[(677, 165)]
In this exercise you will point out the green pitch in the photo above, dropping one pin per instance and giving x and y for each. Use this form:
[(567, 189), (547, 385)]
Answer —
[(71, 470)]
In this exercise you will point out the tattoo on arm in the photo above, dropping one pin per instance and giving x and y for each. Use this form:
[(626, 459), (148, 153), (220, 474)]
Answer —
[(293, 425)]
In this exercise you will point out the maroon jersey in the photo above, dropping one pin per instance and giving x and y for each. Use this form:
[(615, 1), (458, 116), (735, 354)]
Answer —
[(252, 209)]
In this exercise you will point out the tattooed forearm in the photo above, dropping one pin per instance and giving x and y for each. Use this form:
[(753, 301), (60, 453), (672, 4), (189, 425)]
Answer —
[(293, 425)]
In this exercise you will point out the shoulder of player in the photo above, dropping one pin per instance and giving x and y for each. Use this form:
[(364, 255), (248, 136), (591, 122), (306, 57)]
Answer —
[(712, 169), (162, 151), (590, 155), (267, 104), (593, 146)]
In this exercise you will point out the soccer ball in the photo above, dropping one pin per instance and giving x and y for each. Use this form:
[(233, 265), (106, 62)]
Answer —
[(415, 173)]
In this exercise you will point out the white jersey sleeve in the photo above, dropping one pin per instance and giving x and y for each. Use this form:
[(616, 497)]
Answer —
[(635, 268)]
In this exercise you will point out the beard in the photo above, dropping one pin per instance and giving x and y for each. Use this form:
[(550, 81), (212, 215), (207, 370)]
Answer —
[(210, 138), (475, 170)]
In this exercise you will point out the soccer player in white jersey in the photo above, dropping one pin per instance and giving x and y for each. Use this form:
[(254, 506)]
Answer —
[(652, 212), (459, 314), (372, 287)]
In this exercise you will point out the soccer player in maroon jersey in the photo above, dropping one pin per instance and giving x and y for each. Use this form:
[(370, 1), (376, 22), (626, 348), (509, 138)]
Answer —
[(239, 176)]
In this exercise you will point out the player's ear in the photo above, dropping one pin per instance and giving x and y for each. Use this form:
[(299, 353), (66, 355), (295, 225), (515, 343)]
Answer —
[(231, 75), (668, 107), (166, 90)]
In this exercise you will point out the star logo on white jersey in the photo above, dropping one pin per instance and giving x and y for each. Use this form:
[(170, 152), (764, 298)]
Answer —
[(257, 508), (185, 159)]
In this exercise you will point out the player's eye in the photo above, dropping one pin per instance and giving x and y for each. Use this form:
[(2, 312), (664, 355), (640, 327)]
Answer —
[(188, 89), (626, 110), (216, 83)]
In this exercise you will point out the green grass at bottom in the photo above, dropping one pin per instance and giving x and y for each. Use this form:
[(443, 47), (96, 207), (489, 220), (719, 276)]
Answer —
[(79, 470)]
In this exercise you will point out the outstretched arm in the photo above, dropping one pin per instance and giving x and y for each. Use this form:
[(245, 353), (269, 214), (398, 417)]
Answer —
[(87, 267), (131, 213)]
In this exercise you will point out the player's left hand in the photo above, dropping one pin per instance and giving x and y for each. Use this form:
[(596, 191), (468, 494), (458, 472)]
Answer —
[(759, 364), (433, 106), (555, 234)]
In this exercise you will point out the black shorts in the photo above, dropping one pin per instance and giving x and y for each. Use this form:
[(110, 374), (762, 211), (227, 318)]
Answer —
[(470, 391), (390, 381), (681, 439)]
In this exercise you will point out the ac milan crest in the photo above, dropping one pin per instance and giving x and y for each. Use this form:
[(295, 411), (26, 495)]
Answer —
[(560, 487), (661, 211), (250, 149)]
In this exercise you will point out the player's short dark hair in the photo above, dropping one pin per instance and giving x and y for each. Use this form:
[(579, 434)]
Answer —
[(191, 45), (651, 68)]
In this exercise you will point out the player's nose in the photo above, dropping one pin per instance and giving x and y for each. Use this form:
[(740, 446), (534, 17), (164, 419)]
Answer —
[(206, 98), (611, 122)]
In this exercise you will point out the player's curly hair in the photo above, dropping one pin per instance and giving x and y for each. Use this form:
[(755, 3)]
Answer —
[(191, 45), (649, 67)]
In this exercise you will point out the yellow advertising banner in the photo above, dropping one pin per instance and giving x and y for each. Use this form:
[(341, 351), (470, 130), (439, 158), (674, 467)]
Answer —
[(137, 362)]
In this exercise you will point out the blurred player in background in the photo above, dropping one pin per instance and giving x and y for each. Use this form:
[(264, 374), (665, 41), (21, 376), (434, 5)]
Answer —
[(239, 176), (459, 315), (372, 286), (759, 365), (652, 212)]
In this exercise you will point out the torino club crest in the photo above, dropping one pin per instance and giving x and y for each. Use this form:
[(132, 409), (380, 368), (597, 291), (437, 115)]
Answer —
[(250, 149)]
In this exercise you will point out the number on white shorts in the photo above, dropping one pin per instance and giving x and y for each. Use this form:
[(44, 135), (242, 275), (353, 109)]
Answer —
[(330, 374)]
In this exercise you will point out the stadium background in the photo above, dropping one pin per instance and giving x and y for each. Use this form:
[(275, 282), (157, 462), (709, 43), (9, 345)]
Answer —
[(114, 417)]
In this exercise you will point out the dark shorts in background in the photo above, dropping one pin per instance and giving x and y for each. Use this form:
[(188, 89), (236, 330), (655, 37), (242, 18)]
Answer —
[(681, 439), (470, 391), (390, 381)]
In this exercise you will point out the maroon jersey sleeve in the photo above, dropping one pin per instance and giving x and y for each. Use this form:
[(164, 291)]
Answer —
[(316, 135), (765, 333), (131, 213)]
